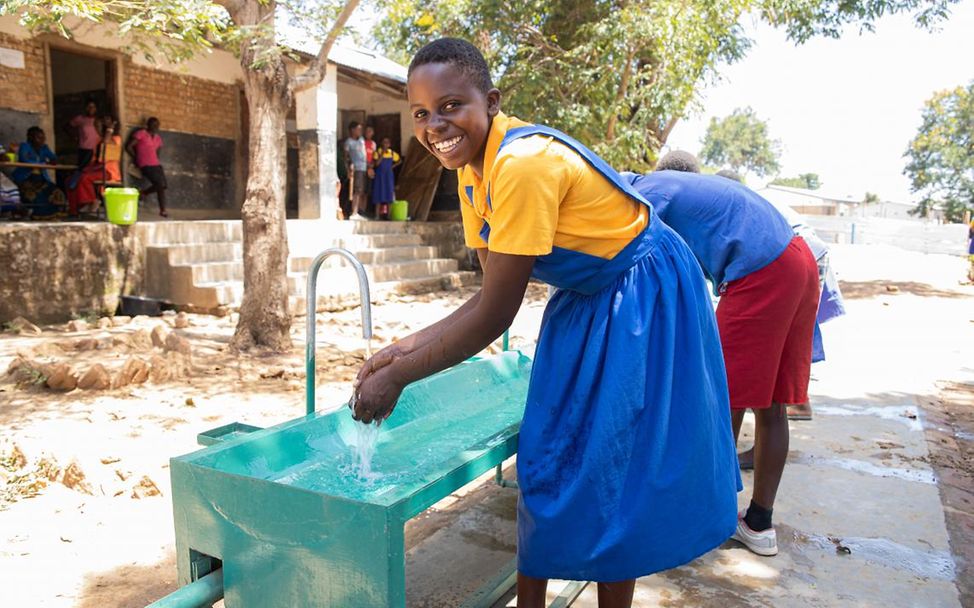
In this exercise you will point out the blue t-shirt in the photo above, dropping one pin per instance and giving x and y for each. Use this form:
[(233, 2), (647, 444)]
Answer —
[(731, 230), (27, 154)]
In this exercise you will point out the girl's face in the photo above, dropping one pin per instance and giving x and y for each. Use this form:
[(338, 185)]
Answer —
[(386, 143), (451, 115)]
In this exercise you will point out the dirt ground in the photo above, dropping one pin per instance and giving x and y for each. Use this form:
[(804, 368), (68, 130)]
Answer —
[(85, 513)]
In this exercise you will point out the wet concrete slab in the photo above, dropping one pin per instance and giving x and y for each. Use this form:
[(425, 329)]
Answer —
[(860, 515)]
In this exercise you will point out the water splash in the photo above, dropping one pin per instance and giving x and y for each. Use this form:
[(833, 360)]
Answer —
[(366, 440)]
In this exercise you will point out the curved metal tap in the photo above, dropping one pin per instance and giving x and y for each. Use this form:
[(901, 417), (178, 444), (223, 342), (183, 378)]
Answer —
[(311, 295)]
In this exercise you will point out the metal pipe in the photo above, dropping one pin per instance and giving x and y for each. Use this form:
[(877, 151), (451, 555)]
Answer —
[(312, 297), (198, 594), (499, 478)]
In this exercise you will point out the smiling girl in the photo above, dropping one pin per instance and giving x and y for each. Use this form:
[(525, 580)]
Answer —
[(626, 462)]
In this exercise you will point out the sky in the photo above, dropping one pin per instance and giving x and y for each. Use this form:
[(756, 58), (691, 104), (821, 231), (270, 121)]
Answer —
[(845, 109)]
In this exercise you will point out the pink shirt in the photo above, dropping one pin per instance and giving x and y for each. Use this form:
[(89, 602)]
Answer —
[(146, 148), (88, 138)]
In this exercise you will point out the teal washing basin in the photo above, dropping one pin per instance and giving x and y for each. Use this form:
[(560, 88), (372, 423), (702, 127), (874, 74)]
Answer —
[(286, 513)]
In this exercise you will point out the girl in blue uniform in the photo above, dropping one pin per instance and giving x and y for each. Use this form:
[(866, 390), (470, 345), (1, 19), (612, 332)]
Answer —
[(626, 462), (384, 185)]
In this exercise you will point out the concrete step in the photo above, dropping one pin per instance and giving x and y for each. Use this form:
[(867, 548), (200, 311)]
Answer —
[(359, 242), (347, 298), (377, 273), (333, 297), (200, 252), (217, 271), (176, 233), (368, 256), (378, 227), (214, 272), (224, 293)]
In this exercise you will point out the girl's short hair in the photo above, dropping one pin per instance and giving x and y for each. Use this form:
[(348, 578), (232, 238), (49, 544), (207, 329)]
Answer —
[(461, 54)]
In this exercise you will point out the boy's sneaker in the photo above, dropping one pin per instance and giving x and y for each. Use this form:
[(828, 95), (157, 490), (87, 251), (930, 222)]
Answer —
[(763, 543)]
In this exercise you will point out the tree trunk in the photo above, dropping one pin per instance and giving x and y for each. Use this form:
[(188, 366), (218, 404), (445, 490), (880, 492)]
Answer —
[(264, 316)]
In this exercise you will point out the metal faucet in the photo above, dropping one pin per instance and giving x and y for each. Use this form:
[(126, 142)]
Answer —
[(311, 295)]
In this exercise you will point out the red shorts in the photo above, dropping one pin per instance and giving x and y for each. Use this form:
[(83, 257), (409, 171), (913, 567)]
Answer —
[(766, 320)]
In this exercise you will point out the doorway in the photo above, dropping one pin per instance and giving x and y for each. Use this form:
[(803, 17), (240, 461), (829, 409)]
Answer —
[(388, 125), (75, 79)]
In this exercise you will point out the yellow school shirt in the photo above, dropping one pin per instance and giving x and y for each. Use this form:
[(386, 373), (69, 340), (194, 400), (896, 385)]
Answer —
[(380, 155), (543, 195)]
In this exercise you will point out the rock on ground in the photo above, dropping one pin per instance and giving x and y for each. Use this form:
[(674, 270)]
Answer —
[(21, 325), (159, 335), (145, 488), (77, 325), (60, 377), (179, 344), (96, 378), (135, 371), (74, 478)]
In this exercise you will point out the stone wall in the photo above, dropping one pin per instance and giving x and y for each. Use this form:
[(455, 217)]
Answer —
[(53, 272)]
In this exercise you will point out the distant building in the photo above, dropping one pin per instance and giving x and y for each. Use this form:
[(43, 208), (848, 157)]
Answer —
[(45, 80), (811, 202)]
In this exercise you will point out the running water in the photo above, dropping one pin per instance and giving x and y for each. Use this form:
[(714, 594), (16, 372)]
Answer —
[(366, 439)]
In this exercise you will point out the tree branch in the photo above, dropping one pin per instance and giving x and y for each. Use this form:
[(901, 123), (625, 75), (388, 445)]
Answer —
[(316, 71), (665, 134), (610, 132)]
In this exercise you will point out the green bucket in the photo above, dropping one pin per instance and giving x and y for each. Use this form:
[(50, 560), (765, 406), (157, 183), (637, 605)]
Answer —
[(122, 205), (399, 211)]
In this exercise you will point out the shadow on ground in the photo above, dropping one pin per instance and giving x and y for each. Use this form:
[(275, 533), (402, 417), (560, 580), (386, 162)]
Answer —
[(129, 586)]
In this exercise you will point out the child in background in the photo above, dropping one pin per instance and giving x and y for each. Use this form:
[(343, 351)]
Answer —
[(86, 132), (105, 166), (768, 282), (144, 148), (626, 462), (370, 150), (357, 167), (384, 184)]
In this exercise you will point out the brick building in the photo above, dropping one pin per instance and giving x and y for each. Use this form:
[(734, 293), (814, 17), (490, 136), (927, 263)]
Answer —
[(45, 80)]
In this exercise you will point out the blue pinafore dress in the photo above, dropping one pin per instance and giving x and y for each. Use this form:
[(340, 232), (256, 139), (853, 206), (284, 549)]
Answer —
[(384, 184), (626, 460)]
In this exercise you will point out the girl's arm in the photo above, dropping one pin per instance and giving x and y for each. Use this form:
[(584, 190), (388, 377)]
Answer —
[(422, 337), (505, 281)]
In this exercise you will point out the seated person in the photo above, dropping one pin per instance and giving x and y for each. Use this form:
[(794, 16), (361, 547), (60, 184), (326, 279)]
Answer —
[(9, 198), (36, 186), (104, 168)]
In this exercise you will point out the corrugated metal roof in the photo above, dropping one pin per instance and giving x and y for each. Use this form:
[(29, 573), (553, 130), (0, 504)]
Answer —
[(816, 194), (344, 54), (367, 61)]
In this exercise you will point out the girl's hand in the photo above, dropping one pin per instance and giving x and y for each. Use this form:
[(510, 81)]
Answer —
[(377, 395), (379, 360)]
